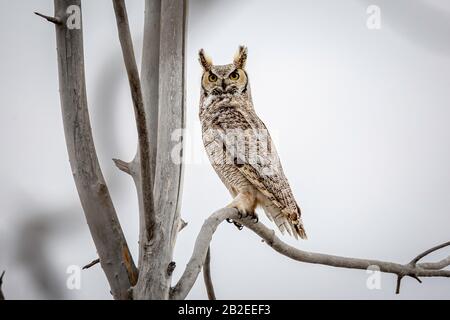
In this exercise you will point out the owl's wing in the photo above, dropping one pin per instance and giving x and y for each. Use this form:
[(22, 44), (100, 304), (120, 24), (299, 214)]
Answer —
[(253, 153)]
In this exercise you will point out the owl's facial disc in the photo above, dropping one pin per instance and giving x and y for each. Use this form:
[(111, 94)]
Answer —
[(227, 79), (222, 80)]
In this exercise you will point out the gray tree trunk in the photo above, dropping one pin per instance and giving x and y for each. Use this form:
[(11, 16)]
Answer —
[(157, 255), (112, 248), (150, 89)]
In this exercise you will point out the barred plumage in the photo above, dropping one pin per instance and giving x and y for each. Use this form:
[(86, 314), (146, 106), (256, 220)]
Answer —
[(240, 147)]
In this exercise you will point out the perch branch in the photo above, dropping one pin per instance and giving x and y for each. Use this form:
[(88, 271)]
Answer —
[(96, 201), (204, 238), (207, 276), (146, 172), (2, 296)]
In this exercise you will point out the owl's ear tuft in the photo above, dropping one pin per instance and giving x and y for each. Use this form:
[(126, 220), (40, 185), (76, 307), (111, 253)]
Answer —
[(240, 58), (205, 60)]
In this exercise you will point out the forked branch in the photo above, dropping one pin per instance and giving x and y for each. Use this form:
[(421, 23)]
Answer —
[(428, 266), (204, 238)]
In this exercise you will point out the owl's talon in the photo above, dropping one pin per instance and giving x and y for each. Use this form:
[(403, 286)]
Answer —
[(239, 226), (244, 214), (255, 219)]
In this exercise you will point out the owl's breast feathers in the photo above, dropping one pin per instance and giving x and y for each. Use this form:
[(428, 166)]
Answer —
[(234, 135)]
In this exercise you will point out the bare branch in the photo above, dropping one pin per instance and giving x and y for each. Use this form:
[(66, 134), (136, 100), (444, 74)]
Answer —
[(207, 276), (429, 251), (430, 265), (123, 166), (435, 265), (90, 265), (146, 180), (204, 238), (49, 19), (2, 296), (195, 264), (99, 210)]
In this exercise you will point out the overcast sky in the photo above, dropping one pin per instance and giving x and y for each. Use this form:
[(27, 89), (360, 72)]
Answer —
[(360, 119)]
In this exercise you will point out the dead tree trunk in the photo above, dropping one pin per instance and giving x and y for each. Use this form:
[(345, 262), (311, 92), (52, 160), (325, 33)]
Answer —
[(157, 255), (112, 248)]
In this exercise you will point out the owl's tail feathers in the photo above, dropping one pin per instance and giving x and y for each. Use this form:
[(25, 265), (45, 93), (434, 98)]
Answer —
[(300, 229), (285, 224)]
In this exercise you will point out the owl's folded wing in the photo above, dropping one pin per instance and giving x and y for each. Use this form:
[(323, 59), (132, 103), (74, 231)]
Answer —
[(248, 144)]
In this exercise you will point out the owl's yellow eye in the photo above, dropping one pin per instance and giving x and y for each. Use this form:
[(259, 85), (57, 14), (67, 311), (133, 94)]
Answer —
[(212, 77), (234, 76)]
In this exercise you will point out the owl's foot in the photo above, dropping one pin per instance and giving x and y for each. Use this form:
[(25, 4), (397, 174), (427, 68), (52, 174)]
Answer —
[(244, 203), (252, 216), (243, 215)]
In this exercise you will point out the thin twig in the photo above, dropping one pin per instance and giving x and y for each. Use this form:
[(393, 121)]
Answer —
[(204, 238), (207, 276), (429, 251), (183, 224), (399, 283), (122, 166), (90, 265), (49, 19), (2, 296)]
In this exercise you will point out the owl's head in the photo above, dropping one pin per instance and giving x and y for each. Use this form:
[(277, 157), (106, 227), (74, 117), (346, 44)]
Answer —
[(227, 79)]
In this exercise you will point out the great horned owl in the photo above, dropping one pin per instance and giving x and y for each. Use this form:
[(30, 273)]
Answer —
[(240, 148)]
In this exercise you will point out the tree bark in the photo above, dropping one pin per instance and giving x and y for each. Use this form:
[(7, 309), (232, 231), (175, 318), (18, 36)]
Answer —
[(112, 248), (207, 276), (150, 91), (155, 279), (150, 72)]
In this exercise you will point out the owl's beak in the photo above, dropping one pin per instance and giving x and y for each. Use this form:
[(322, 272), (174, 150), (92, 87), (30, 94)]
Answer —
[(224, 85)]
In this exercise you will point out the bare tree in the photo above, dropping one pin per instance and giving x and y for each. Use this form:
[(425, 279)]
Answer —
[(158, 96)]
